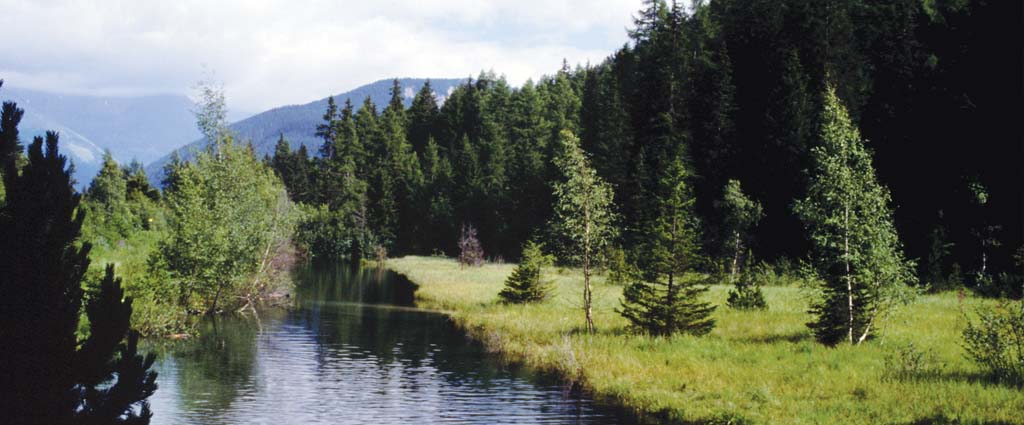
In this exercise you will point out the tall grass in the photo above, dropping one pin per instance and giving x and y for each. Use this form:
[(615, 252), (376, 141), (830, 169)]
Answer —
[(756, 366)]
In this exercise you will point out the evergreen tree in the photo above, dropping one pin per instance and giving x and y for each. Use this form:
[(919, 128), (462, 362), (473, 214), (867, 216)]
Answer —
[(138, 185), (109, 187), (665, 300), (436, 199), (170, 171), (59, 378), (584, 214), (107, 201), (401, 172), (526, 284), (328, 129), (423, 116), (848, 219), (530, 169), (10, 146), (747, 293)]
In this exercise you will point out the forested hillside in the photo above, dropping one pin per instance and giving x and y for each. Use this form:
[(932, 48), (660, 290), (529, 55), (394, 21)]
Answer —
[(733, 90), (298, 122)]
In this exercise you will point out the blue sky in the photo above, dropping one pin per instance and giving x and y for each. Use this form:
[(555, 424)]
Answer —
[(275, 52)]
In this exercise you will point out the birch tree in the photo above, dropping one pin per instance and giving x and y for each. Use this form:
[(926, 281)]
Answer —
[(855, 248), (583, 213)]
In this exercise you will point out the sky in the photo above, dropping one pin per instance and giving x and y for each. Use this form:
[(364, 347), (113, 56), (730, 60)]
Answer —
[(270, 53)]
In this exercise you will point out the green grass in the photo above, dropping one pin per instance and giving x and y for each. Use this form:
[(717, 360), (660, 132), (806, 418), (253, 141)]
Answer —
[(756, 366)]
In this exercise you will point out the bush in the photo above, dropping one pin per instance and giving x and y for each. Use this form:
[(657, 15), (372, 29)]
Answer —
[(996, 342), (620, 270), (526, 284), (909, 362), (470, 251)]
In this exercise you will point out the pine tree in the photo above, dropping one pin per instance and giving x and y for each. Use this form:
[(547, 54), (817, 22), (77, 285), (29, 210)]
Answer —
[(423, 116), (526, 284), (436, 199), (10, 147), (848, 219), (107, 201), (328, 129), (584, 213), (109, 186), (138, 185), (60, 379), (665, 300), (746, 295)]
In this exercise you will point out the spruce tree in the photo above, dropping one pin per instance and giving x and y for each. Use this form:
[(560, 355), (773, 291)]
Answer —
[(328, 129), (527, 284), (746, 294), (10, 146), (584, 214), (57, 378), (854, 243), (423, 115), (664, 300)]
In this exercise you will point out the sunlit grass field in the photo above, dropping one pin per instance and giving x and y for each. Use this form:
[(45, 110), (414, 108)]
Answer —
[(755, 367)]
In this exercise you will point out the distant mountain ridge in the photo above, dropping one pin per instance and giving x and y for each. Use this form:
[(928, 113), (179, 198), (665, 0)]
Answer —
[(298, 122), (142, 127)]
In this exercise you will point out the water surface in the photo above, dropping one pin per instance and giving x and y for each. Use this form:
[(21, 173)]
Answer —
[(353, 350)]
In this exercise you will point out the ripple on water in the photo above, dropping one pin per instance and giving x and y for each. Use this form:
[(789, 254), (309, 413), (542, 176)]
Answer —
[(334, 359)]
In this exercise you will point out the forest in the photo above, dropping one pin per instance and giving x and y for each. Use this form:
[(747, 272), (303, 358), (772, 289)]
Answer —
[(866, 151), (733, 91)]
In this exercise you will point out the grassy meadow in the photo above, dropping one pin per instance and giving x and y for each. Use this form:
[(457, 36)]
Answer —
[(755, 367)]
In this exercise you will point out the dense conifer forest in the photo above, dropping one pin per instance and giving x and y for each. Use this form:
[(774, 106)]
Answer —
[(732, 90)]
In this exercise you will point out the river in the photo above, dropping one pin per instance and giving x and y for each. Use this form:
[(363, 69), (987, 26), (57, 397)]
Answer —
[(354, 349)]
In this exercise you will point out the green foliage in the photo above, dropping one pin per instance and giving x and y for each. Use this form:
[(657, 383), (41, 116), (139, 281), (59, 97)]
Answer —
[(909, 362), (584, 213), (526, 283), (664, 300), (747, 293), (333, 235), (996, 342), (739, 215), (95, 379), (224, 213), (855, 247), (621, 271)]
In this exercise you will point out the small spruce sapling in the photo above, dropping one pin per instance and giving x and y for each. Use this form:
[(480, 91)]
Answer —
[(747, 294), (527, 283)]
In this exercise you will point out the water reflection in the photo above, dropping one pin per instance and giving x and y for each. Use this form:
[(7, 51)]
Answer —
[(353, 350)]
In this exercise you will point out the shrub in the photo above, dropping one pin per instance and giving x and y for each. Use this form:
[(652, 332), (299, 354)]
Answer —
[(620, 270), (747, 295), (909, 362), (996, 342), (470, 251), (526, 284)]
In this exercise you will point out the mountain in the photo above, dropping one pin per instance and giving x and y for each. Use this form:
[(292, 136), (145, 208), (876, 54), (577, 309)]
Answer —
[(298, 122), (142, 127)]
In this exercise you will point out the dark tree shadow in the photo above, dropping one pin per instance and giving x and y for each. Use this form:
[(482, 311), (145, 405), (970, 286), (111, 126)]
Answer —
[(795, 337), (943, 419)]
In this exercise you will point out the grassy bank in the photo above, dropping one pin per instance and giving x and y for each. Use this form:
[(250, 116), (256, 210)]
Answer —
[(758, 367)]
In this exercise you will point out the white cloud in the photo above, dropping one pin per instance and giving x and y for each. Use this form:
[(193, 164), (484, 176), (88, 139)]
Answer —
[(274, 52)]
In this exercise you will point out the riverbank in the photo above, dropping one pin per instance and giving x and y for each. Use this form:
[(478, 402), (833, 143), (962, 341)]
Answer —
[(155, 313), (755, 367)]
